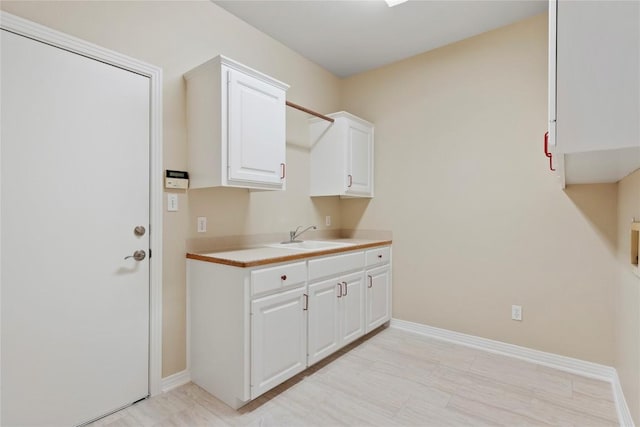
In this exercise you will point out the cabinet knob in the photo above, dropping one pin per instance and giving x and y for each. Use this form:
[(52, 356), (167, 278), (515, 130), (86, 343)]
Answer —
[(283, 277)]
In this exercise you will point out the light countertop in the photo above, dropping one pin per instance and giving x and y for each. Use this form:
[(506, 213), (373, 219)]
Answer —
[(263, 255)]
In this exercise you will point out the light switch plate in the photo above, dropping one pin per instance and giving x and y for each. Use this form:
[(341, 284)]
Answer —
[(202, 224), (172, 202)]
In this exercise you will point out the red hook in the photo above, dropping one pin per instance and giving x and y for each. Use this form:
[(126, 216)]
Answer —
[(546, 150)]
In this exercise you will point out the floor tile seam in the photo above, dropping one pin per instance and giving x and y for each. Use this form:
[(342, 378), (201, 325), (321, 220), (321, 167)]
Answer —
[(507, 386), (519, 414), (528, 399), (505, 381), (581, 410), (610, 398)]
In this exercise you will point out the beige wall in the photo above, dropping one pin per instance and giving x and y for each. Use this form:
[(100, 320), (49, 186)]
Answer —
[(177, 36), (627, 305), (479, 223)]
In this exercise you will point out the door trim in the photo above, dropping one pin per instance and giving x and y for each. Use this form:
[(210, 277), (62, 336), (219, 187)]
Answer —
[(72, 44)]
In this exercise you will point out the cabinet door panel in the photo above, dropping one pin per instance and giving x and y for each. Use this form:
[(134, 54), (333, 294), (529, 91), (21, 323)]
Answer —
[(378, 297), (324, 331), (256, 147), (278, 339), (352, 308), (359, 159)]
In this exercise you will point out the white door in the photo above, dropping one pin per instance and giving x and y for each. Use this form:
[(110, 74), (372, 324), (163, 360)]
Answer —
[(257, 131), (74, 185), (324, 318), (278, 339), (378, 297), (352, 310), (359, 159)]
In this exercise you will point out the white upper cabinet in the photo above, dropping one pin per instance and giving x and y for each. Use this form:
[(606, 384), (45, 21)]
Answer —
[(341, 156), (594, 89), (236, 127)]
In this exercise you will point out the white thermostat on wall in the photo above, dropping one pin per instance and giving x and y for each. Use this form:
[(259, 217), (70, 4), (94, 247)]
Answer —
[(176, 180)]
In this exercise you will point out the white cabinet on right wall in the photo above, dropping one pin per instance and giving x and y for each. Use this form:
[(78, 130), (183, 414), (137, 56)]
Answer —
[(341, 156), (594, 90)]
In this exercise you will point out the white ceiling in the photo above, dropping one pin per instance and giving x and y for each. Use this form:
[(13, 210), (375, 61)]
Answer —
[(348, 37)]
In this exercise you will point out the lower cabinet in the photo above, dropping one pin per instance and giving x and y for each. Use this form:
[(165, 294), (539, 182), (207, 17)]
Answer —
[(352, 308), (251, 329), (378, 310), (336, 314), (324, 320), (278, 339)]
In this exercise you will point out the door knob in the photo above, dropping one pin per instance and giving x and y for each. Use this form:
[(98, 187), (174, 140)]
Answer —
[(137, 255), (139, 231)]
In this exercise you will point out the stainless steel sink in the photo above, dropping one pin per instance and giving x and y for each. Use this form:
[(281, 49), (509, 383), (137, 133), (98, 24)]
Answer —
[(310, 245)]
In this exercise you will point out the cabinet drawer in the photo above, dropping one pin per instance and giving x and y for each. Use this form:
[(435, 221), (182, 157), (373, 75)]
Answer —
[(274, 278), (333, 265), (378, 256)]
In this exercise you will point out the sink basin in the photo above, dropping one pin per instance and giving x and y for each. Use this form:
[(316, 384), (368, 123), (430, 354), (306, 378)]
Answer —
[(310, 245)]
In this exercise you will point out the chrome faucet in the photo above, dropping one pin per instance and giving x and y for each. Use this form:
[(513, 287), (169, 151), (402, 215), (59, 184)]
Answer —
[(293, 235)]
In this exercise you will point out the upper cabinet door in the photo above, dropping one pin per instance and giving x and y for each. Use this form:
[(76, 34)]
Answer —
[(341, 156), (236, 126), (256, 142), (359, 159)]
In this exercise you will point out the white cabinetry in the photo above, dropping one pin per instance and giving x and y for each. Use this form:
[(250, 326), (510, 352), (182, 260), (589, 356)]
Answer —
[(594, 64), (324, 320), (251, 329), (341, 156), (248, 327), (278, 339), (378, 293), (336, 304), (336, 314), (236, 126)]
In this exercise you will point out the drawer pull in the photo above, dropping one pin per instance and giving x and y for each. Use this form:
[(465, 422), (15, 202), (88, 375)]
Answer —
[(306, 302), (370, 281), (283, 277), (345, 288), (339, 290)]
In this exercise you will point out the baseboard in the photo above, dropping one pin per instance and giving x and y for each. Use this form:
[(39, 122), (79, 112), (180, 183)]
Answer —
[(624, 415), (175, 380), (563, 363)]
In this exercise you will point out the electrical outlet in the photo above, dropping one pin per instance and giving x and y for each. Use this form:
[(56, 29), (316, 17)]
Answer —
[(516, 312), (202, 224), (327, 220)]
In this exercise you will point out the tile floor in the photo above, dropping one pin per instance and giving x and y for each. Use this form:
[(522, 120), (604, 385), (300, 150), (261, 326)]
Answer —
[(396, 378)]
